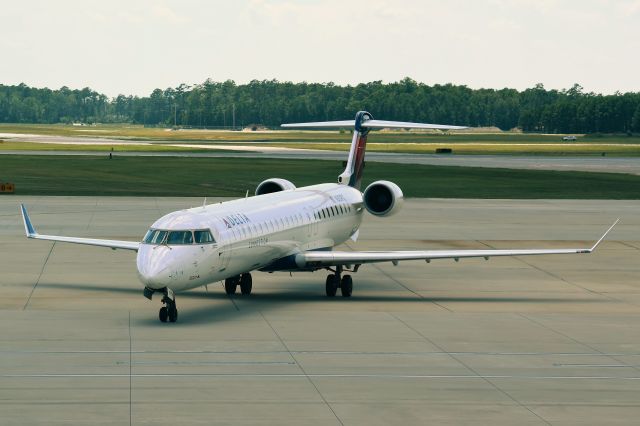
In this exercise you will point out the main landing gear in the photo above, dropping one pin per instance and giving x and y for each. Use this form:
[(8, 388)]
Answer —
[(244, 281), (334, 281), (168, 312)]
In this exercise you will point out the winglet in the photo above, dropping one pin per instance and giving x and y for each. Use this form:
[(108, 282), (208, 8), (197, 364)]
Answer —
[(604, 235), (28, 227)]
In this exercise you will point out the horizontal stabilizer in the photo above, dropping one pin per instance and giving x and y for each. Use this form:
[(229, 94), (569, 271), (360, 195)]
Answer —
[(373, 124), (328, 124)]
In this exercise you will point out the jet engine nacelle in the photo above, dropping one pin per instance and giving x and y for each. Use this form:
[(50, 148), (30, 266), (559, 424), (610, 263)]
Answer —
[(383, 198), (274, 185)]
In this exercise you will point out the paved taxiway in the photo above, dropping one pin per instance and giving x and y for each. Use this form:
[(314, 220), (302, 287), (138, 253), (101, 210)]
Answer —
[(527, 341)]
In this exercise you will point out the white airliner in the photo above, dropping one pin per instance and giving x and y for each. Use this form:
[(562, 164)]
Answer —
[(281, 228)]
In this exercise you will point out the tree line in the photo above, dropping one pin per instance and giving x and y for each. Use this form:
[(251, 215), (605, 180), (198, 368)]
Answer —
[(270, 103)]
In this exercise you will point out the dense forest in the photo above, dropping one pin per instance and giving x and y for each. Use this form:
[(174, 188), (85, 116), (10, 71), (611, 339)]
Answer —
[(270, 102)]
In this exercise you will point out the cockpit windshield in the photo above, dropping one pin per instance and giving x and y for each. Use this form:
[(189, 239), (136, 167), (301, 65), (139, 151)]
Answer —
[(155, 236), (181, 237), (203, 236)]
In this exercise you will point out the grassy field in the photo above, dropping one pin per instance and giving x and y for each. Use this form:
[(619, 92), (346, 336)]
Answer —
[(174, 176)]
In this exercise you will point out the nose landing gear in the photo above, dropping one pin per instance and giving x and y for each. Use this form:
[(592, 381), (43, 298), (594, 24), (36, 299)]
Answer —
[(168, 312)]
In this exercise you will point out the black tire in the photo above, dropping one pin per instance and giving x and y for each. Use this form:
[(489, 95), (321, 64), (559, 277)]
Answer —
[(173, 313), (230, 286), (246, 284), (346, 286), (163, 314), (331, 285)]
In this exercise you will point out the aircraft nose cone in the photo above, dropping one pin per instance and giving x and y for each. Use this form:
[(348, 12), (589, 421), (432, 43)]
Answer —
[(152, 268), (152, 277)]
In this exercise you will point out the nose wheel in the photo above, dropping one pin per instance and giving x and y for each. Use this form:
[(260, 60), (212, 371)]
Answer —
[(169, 312)]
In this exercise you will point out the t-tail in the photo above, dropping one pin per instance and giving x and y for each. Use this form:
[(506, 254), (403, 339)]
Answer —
[(362, 124)]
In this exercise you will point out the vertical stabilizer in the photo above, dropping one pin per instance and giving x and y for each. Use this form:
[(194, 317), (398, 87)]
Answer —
[(364, 122), (352, 174)]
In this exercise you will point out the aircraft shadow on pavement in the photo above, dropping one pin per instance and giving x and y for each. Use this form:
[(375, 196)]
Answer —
[(260, 302)]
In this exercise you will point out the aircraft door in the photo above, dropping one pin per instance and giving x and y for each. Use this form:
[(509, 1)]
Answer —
[(312, 227), (226, 250)]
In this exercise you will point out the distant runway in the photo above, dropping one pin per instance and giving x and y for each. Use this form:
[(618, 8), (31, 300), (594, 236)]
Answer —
[(629, 165), (525, 341)]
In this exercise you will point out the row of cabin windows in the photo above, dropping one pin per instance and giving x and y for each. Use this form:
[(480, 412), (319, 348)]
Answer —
[(337, 210), (271, 225), (274, 225)]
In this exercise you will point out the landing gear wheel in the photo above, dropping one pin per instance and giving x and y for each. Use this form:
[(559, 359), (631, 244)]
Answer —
[(163, 314), (246, 284), (168, 311), (230, 285), (332, 285), (173, 313), (346, 286)]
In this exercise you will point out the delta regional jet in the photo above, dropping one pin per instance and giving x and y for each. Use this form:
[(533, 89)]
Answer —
[(281, 228)]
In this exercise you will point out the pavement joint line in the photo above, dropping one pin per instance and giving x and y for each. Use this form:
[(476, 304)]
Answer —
[(307, 376), (614, 358), (130, 374), (282, 342), (629, 245), (93, 213), (42, 213), (44, 265), (358, 353), (468, 367), (155, 200), (419, 296), (559, 278), (233, 302)]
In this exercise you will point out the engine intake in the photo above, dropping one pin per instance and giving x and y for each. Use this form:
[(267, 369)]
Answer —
[(383, 198), (274, 185)]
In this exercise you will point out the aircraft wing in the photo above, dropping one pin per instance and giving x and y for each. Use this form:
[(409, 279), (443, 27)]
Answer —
[(335, 258), (113, 244)]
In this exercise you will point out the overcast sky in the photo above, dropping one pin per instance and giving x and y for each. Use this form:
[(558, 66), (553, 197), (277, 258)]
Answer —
[(134, 46)]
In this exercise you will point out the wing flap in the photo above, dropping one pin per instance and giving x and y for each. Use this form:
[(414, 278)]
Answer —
[(334, 258), (343, 257)]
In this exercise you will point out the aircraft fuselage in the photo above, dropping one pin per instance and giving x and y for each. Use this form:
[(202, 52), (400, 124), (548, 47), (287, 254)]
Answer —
[(260, 232)]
